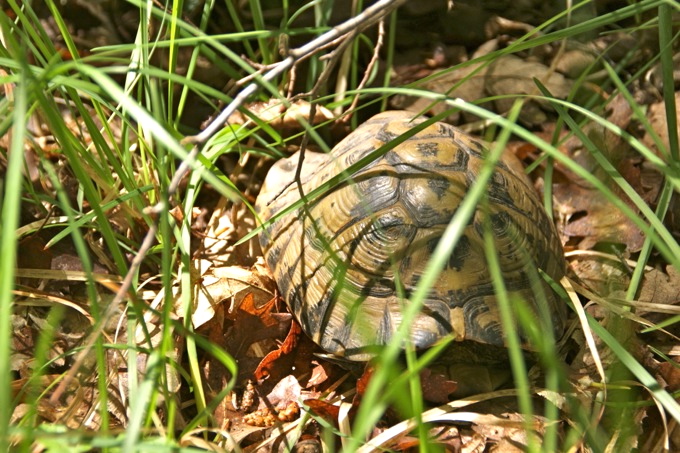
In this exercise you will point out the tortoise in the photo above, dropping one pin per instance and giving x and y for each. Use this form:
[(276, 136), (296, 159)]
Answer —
[(347, 261)]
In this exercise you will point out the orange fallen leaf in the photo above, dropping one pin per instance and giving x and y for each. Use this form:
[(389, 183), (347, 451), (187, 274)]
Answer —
[(264, 368)]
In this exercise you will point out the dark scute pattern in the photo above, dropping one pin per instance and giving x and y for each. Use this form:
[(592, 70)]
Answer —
[(446, 130), (361, 150), (489, 334), (373, 197), (500, 222), (424, 215), (378, 288), (385, 136), (384, 328), (438, 311), (432, 244), (336, 337), (428, 149), (427, 216), (498, 190), (460, 253), (273, 256), (476, 150), (405, 169), (461, 162), (439, 186)]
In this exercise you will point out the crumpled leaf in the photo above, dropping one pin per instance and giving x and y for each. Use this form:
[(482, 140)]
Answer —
[(584, 213), (280, 405), (232, 284), (265, 367), (506, 76), (510, 437), (286, 120), (324, 409), (511, 75), (671, 374), (436, 387), (253, 324), (592, 219)]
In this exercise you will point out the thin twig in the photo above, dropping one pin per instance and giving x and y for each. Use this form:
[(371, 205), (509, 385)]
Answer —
[(369, 68)]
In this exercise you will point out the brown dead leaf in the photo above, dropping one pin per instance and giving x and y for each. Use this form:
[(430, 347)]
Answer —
[(227, 223), (659, 294), (216, 377), (287, 121), (264, 312), (232, 284), (511, 75), (585, 214), (264, 369), (362, 382), (286, 391), (448, 436), (331, 412), (670, 372), (320, 374), (658, 119), (658, 300), (33, 253), (510, 437), (253, 324), (324, 409), (602, 276), (591, 219), (661, 287), (406, 443), (436, 387)]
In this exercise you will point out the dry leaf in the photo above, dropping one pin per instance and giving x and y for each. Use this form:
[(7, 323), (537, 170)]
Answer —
[(280, 405), (466, 83), (265, 367), (585, 214), (436, 387), (671, 374), (324, 409), (285, 120), (509, 76), (319, 375), (658, 120)]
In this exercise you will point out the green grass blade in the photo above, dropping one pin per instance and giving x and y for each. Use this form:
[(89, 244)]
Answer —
[(11, 208)]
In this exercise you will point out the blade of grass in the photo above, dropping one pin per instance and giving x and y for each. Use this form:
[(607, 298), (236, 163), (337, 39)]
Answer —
[(11, 207), (510, 326)]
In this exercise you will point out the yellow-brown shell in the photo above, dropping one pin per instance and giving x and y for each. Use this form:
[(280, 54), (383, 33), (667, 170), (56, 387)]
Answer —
[(339, 260)]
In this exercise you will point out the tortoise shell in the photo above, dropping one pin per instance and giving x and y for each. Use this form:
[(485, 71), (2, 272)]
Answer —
[(346, 261)]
